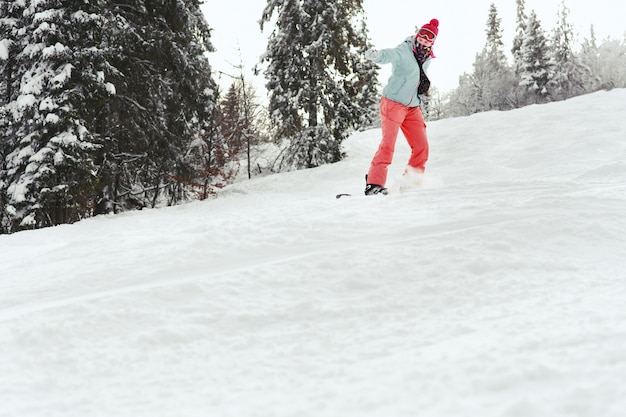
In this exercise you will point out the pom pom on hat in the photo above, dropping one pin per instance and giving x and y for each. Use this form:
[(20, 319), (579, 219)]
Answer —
[(433, 26)]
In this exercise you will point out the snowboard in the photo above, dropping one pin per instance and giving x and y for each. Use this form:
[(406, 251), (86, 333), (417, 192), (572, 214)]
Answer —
[(411, 180), (340, 195)]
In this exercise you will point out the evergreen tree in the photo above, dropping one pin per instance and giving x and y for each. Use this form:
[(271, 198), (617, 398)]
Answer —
[(567, 78), (494, 46), (164, 102), (493, 78), (535, 63), (492, 82), (233, 122), (520, 34), (315, 68), (99, 101), (9, 17), (51, 72), (589, 56)]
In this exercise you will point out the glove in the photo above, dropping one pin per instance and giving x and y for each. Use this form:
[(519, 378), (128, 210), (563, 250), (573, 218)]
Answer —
[(371, 54)]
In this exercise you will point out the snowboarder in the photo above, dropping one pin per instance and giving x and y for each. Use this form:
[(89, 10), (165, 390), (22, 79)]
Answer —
[(400, 105)]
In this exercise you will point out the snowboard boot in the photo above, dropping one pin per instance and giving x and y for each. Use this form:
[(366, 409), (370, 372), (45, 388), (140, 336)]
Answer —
[(371, 189)]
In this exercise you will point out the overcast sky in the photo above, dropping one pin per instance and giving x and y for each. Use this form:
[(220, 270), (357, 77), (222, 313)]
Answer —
[(461, 29)]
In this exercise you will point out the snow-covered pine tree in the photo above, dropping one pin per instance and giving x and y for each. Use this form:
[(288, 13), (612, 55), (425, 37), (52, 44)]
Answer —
[(494, 81), (494, 46), (51, 73), (7, 61), (567, 78), (492, 84), (232, 121), (520, 34), (100, 101), (314, 70), (589, 54), (165, 96), (535, 62)]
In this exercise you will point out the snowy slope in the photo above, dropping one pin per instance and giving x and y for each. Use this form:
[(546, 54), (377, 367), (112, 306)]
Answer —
[(497, 290)]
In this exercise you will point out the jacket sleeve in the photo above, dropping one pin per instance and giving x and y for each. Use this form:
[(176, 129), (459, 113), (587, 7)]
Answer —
[(389, 55)]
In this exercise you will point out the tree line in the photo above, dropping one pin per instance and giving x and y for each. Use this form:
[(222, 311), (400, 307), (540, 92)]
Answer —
[(547, 66), (112, 105)]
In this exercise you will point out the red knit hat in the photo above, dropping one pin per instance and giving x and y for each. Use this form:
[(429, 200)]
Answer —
[(433, 26)]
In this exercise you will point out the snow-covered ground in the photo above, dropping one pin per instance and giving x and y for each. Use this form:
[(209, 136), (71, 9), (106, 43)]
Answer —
[(499, 289)]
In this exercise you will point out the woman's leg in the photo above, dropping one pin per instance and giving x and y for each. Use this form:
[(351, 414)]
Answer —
[(391, 114), (414, 130)]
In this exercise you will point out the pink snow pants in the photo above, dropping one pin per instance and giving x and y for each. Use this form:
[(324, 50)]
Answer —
[(396, 116)]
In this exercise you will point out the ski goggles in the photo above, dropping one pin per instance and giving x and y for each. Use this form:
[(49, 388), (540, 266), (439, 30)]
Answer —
[(426, 35)]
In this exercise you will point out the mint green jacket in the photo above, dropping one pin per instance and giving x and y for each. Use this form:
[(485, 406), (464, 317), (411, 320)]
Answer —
[(405, 73)]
